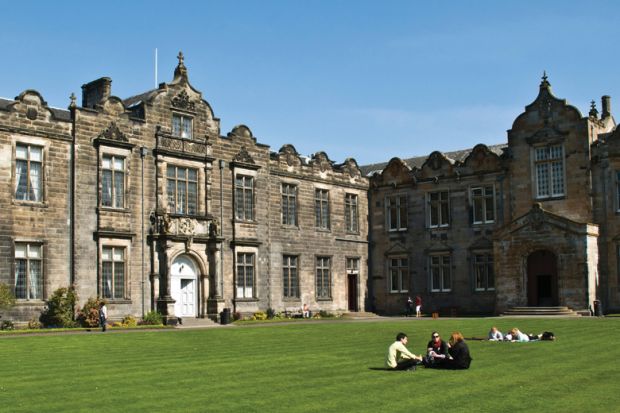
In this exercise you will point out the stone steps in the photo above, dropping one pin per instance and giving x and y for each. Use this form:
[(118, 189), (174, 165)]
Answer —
[(359, 314), (540, 311), (197, 323)]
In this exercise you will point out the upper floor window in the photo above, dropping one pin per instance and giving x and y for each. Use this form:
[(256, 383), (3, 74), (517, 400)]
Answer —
[(182, 190), (113, 272), (323, 277), (28, 271), (441, 274), (289, 204), (483, 272), (290, 278), (396, 209), (439, 209), (351, 213), (244, 197), (28, 172), (549, 167), (399, 275), (483, 204), (113, 181), (181, 126), (245, 275), (321, 208)]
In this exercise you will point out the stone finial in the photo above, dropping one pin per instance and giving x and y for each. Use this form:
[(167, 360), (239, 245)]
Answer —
[(73, 98), (544, 83), (593, 112), (180, 73)]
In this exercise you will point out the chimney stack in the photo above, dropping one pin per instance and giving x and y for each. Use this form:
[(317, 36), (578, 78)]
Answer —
[(606, 106), (96, 92)]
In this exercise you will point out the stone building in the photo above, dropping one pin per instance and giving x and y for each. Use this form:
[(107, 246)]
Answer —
[(144, 203), (533, 222)]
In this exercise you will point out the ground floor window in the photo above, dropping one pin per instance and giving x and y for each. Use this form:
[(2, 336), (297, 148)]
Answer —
[(323, 277), (441, 274), (399, 274), (290, 276), (113, 272), (245, 275), (483, 272), (28, 271)]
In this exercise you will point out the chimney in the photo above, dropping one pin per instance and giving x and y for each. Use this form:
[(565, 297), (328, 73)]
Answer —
[(606, 101), (96, 92)]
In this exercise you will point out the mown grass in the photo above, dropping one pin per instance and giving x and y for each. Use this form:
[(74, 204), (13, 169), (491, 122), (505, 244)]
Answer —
[(311, 367)]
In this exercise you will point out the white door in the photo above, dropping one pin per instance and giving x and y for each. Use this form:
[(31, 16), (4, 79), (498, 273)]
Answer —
[(183, 277)]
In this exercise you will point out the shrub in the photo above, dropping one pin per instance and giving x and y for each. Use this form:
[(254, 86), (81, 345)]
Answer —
[(117, 324), (88, 316), (59, 309), (237, 316), (259, 315), (7, 325), (153, 318), (34, 324), (325, 314), (129, 321), (271, 313), (7, 299)]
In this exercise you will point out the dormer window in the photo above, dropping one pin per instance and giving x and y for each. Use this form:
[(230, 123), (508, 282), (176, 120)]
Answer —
[(181, 126)]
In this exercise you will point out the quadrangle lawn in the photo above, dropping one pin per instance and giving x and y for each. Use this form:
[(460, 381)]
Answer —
[(312, 367)]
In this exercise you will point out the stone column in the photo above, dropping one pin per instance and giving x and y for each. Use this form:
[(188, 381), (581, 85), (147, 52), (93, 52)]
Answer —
[(165, 303), (215, 303)]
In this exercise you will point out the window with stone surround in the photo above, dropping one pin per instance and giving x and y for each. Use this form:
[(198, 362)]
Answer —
[(484, 276), (290, 276), (438, 209), (182, 190), (289, 204), (321, 208), (323, 278), (245, 275), (549, 171), (398, 268), (351, 213), (113, 181), (113, 269), (182, 126), (28, 271), (28, 172), (396, 212), (244, 198), (483, 204), (440, 272)]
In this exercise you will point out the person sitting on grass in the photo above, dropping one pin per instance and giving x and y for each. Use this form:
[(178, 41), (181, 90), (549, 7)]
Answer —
[(399, 357), (495, 334), (437, 350), (459, 358)]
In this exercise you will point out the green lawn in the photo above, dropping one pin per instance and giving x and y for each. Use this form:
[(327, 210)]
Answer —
[(312, 367)]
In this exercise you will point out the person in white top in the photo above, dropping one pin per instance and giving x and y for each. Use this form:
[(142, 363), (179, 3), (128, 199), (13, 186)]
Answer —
[(399, 357), (103, 316), (495, 334)]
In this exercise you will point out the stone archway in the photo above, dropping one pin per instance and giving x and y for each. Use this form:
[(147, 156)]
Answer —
[(542, 279), (184, 287)]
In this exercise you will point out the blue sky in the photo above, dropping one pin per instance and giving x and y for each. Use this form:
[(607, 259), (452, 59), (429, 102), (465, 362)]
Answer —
[(364, 79)]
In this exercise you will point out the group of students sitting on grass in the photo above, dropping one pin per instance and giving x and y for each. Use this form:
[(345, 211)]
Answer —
[(515, 335), (453, 355)]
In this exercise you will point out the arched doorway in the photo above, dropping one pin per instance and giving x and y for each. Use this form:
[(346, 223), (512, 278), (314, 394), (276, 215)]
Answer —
[(184, 286), (542, 279)]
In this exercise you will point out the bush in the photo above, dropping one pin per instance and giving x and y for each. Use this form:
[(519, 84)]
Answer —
[(237, 316), (259, 315), (129, 321), (7, 325), (7, 299), (59, 309), (34, 324), (271, 313), (88, 316), (152, 318)]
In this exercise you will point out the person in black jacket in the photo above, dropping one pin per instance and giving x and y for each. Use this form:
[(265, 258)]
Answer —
[(436, 351), (459, 358)]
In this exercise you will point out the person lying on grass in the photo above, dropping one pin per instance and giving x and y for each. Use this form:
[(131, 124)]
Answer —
[(399, 357), (515, 335), (437, 350), (459, 358), (495, 334)]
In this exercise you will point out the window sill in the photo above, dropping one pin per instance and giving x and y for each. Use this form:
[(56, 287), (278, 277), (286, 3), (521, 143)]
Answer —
[(36, 204), (440, 291), (247, 300), (112, 209), (550, 198), (324, 299), (117, 300), (392, 231), (25, 302), (291, 300), (488, 290), (245, 221), (399, 292), (323, 230), (352, 232), (285, 226)]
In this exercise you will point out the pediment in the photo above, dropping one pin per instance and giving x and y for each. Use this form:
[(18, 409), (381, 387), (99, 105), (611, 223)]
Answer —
[(539, 220), (437, 164), (321, 161), (113, 133), (482, 243), (289, 155), (396, 172), (397, 248), (481, 158)]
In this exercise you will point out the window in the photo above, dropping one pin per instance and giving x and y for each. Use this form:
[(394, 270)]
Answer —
[(289, 204), (245, 275), (244, 197), (323, 277), (399, 275), (351, 213), (441, 279), (353, 265), (28, 271), (483, 272), (483, 204), (396, 210), (549, 166), (321, 208), (28, 172), (439, 209), (181, 126), (113, 181), (113, 272), (290, 277), (182, 190)]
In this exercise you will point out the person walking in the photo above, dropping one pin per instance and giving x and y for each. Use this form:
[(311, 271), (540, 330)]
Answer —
[(418, 306), (409, 307), (103, 316)]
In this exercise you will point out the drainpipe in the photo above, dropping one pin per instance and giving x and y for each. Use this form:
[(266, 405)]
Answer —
[(222, 164), (71, 200), (143, 153)]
